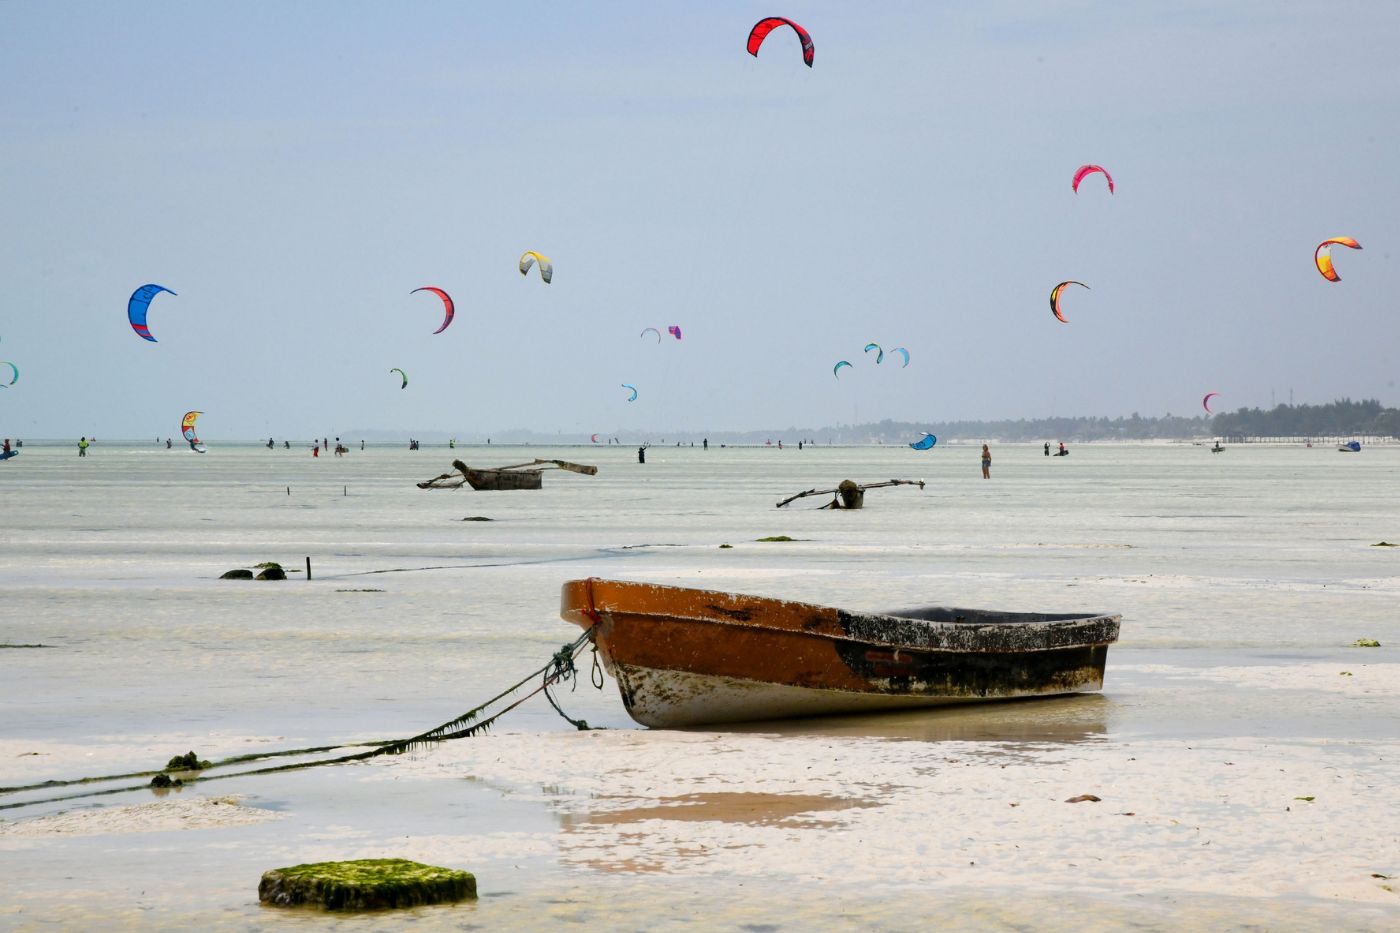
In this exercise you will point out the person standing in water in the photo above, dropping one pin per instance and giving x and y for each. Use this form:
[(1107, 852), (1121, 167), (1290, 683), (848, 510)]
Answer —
[(1047, 448), (986, 462), (82, 446)]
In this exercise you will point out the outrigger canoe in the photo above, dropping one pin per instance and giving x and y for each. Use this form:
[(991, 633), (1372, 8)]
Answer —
[(686, 657)]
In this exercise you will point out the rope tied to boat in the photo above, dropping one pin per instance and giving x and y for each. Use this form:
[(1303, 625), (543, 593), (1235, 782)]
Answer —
[(560, 667)]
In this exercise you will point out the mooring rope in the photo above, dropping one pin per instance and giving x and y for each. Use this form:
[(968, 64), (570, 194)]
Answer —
[(560, 667)]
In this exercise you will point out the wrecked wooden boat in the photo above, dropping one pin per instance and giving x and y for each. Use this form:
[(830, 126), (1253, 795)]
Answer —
[(686, 657), (516, 476), (850, 494)]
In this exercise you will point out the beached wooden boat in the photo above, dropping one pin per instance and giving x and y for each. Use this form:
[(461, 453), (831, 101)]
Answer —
[(516, 476), (685, 657)]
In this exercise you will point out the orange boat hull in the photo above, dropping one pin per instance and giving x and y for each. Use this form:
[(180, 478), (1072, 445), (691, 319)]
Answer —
[(686, 657)]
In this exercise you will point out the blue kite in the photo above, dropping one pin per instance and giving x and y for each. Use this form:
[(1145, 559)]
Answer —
[(925, 444), (137, 306)]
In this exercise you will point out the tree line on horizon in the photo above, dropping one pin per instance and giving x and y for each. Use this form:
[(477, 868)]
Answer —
[(1344, 416)]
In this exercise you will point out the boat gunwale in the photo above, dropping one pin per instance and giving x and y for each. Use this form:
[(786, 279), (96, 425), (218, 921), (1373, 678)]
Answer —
[(882, 629)]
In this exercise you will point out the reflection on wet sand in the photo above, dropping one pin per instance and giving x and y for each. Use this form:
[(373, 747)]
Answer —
[(754, 808), (1061, 720), (783, 811)]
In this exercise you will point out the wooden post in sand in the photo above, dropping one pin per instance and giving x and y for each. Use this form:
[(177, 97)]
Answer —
[(308, 567)]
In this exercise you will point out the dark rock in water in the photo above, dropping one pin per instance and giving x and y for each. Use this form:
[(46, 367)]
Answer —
[(186, 762), (478, 518), (267, 564), (237, 575), (165, 780), (273, 573), (365, 884)]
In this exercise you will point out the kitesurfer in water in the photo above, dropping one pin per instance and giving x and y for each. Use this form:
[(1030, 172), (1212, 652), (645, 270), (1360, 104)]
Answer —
[(1062, 449), (316, 450), (82, 446), (6, 448), (167, 443), (1047, 448), (986, 462)]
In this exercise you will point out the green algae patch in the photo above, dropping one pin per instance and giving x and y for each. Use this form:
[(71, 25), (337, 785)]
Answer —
[(723, 546), (1365, 643), (776, 538), (365, 884)]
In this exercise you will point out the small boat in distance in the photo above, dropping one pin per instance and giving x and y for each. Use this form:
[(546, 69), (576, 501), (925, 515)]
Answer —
[(686, 657), (1350, 447)]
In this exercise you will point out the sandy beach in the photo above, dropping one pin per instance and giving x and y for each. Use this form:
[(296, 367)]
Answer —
[(1245, 755)]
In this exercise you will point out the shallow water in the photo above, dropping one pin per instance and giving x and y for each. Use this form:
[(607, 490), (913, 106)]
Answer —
[(1242, 578)]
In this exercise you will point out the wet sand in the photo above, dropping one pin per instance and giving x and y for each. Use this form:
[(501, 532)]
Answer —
[(1234, 695)]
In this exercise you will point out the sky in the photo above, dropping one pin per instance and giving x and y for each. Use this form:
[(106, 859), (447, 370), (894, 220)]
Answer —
[(294, 171)]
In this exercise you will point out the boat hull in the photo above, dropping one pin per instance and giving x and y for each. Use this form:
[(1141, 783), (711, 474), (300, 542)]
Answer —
[(494, 480), (686, 657)]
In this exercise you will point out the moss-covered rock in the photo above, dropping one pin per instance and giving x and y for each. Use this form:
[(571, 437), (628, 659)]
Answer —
[(267, 565), (273, 573), (365, 884), (165, 780), (1365, 643), (776, 538), (186, 762), (237, 575)]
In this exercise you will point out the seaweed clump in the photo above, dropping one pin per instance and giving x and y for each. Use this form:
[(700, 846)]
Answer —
[(365, 884), (776, 538)]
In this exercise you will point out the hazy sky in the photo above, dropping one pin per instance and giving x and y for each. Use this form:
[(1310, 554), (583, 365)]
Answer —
[(294, 170)]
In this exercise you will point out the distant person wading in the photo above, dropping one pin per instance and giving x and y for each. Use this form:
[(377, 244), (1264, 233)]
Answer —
[(82, 446), (986, 462)]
